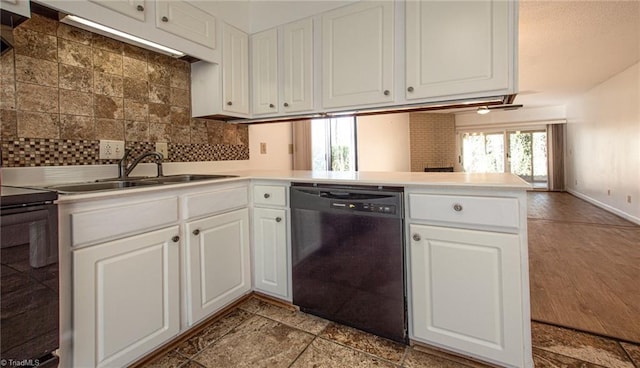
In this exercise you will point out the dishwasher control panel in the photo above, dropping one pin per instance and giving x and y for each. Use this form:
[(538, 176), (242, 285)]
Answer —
[(364, 207)]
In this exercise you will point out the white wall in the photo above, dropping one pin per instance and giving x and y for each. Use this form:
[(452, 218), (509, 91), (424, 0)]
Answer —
[(603, 144), (383, 143), (277, 136)]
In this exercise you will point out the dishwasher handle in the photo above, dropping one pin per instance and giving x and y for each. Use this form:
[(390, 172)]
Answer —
[(351, 195)]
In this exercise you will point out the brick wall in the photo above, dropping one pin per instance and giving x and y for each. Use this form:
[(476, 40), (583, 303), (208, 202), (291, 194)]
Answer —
[(433, 140), (63, 89)]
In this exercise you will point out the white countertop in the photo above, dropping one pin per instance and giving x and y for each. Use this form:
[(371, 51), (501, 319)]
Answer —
[(414, 179), (495, 180)]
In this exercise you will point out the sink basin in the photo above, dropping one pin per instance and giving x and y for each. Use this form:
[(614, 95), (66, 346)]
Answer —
[(98, 186), (116, 184), (185, 178)]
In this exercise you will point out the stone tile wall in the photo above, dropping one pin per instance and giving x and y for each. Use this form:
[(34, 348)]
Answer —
[(62, 89), (433, 140)]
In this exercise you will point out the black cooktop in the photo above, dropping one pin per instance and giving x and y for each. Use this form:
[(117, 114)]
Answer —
[(17, 196)]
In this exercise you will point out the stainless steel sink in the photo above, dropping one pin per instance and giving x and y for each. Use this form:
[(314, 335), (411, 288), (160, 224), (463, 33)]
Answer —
[(117, 184), (98, 186), (185, 178)]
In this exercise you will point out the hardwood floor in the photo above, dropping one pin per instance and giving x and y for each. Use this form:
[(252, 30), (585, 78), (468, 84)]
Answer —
[(584, 266)]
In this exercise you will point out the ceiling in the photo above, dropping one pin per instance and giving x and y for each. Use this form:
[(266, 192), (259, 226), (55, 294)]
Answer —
[(569, 47)]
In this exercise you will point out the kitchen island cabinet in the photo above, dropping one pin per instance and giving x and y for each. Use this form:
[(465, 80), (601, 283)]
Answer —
[(271, 266), (466, 251), (126, 295), (139, 267), (468, 273), (218, 264)]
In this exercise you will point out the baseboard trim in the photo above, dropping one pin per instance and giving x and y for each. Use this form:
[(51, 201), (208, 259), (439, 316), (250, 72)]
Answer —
[(605, 207)]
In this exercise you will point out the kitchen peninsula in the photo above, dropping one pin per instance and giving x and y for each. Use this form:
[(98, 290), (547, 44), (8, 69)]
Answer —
[(203, 245)]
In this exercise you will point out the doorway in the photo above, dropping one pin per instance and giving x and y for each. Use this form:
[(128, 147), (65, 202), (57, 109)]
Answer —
[(527, 156), (523, 153)]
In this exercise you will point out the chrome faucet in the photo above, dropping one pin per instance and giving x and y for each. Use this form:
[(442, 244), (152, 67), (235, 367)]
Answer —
[(125, 169)]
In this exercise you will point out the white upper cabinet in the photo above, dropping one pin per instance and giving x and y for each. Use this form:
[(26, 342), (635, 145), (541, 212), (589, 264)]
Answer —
[(131, 8), (235, 70), (297, 66), (185, 20), (357, 54), (264, 60), (20, 7), (459, 48)]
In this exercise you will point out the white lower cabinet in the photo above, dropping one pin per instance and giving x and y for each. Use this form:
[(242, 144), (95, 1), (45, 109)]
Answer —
[(466, 292), (218, 263), (270, 250), (126, 297)]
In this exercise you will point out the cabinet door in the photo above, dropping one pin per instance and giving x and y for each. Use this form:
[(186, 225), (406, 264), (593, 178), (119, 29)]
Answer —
[(125, 298), (457, 47), (357, 54), (270, 251), (132, 8), (264, 48), (235, 70), (466, 292), (297, 66), (218, 262), (187, 21)]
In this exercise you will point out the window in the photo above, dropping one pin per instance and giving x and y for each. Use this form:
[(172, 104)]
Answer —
[(523, 153), (333, 144)]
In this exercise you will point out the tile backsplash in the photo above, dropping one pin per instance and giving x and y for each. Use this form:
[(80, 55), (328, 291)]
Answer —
[(62, 89)]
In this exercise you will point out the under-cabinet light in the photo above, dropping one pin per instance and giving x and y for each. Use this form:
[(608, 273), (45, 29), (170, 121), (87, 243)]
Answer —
[(99, 28), (483, 110)]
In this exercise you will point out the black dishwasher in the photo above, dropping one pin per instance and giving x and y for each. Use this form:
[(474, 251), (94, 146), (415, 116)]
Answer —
[(348, 256)]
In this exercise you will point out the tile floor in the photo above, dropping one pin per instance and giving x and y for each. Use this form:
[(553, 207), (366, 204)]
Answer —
[(261, 334)]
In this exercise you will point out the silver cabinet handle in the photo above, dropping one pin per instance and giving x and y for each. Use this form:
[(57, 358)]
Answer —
[(278, 219), (410, 89), (140, 8), (175, 239), (286, 104), (386, 92), (267, 195), (416, 237), (229, 103), (272, 106), (457, 207), (164, 19), (196, 232)]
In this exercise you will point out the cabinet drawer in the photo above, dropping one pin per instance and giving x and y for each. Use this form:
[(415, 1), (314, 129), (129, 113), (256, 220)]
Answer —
[(126, 219), (270, 195), (207, 203), (492, 212)]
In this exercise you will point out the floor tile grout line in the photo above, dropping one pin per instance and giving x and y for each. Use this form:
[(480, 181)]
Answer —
[(610, 338), (358, 350), (580, 360), (219, 338), (302, 352), (628, 355)]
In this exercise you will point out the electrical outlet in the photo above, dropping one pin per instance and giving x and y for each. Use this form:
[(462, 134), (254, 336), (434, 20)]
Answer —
[(608, 192), (163, 148), (628, 199), (110, 150), (263, 148)]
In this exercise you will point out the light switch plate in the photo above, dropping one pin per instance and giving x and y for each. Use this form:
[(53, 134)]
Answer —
[(163, 148), (263, 148), (111, 150)]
